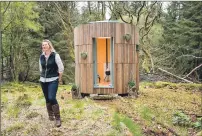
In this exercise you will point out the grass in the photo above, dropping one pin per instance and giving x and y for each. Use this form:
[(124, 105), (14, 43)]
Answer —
[(182, 86), (13, 128), (157, 102), (31, 130), (23, 101), (12, 111), (146, 113), (32, 114), (119, 121)]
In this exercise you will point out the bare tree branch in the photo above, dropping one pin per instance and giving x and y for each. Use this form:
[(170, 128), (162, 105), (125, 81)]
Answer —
[(129, 14), (89, 8), (103, 10), (6, 8), (122, 18), (63, 18), (193, 70), (149, 27), (138, 17), (189, 56)]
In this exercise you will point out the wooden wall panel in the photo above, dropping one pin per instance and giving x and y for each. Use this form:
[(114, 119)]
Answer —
[(89, 80), (130, 54), (86, 34), (119, 78), (133, 34), (77, 73), (134, 60), (105, 29), (112, 29), (120, 53), (83, 78), (125, 77), (118, 38), (137, 70), (115, 53), (125, 55), (75, 36), (89, 49), (103, 91), (98, 30), (76, 54), (115, 78)]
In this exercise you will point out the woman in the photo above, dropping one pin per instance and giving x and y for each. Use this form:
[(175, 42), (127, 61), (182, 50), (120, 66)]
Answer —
[(51, 69)]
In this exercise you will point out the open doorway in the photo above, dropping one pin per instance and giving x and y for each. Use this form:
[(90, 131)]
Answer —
[(103, 62)]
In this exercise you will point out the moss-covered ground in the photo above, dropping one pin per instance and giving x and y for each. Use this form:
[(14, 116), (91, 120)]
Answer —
[(161, 109)]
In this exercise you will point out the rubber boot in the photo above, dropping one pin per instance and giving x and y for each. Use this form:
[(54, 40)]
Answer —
[(56, 111), (50, 111)]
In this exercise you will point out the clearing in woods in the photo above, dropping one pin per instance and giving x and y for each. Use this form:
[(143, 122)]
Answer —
[(161, 109)]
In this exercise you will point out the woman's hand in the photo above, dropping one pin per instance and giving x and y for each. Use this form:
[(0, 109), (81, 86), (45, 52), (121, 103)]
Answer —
[(60, 78), (60, 81)]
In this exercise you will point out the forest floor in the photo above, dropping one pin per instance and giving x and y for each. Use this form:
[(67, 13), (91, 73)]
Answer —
[(162, 109)]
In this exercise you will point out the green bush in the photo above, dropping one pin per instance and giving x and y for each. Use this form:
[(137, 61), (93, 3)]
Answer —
[(198, 124), (181, 119), (131, 84), (74, 87)]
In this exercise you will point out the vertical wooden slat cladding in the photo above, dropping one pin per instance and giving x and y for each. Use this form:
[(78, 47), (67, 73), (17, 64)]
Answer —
[(137, 71), (133, 34), (89, 49), (79, 53), (103, 90), (119, 78), (125, 55), (115, 78), (105, 29), (115, 53), (76, 54), (89, 79), (75, 36), (130, 53), (79, 35), (118, 38), (77, 73), (134, 61), (112, 30), (120, 53), (137, 58), (97, 30), (83, 77), (125, 77)]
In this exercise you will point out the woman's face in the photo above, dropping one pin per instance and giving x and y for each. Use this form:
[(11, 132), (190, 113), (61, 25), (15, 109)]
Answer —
[(45, 46)]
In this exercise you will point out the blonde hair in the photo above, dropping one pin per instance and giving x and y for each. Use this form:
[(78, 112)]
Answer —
[(50, 44)]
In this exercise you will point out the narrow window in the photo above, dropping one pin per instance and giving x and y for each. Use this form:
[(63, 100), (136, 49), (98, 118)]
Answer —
[(103, 62)]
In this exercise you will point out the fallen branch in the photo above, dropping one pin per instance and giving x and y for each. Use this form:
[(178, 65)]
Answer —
[(175, 76), (193, 70), (190, 56)]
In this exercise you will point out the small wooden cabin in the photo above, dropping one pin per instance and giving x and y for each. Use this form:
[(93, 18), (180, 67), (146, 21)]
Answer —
[(106, 57)]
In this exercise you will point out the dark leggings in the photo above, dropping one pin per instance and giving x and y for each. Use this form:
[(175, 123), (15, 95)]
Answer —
[(49, 91)]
